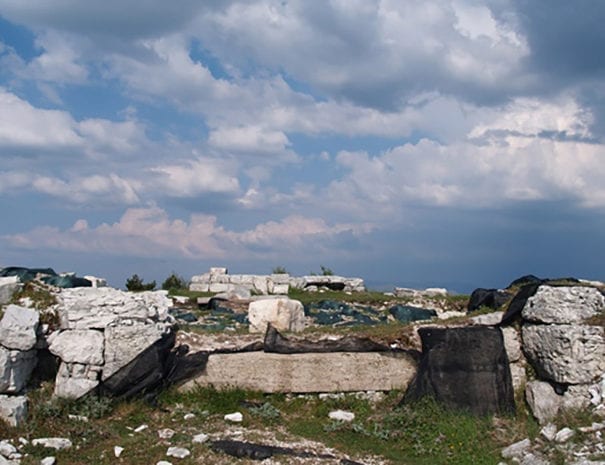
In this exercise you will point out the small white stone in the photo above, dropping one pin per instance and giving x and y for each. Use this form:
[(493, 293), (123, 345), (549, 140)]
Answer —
[(117, 451), (7, 449), (53, 443), (200, 438), (48, 461), (341, 415), (564, 435), (163, 462), (189, 416), (141, 428), (78, 418), (23, 441), (516, 450), (549, 432), (165, 433), (178, 452), (236, 417)]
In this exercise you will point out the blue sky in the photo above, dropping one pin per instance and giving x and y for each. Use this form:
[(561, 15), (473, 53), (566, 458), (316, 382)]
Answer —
[(455, 143)]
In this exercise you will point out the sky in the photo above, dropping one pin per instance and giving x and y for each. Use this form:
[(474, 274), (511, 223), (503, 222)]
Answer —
[(449, 143)]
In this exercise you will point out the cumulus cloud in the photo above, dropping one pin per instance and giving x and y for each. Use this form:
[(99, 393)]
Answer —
[(150, 232)]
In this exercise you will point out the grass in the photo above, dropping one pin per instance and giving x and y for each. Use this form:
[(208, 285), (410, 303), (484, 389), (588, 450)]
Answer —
[(39, 295)]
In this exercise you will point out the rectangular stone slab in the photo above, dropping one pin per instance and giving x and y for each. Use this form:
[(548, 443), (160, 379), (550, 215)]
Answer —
[(307, 373)]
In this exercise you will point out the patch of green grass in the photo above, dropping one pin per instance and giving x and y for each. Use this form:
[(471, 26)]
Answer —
[(40, 296)]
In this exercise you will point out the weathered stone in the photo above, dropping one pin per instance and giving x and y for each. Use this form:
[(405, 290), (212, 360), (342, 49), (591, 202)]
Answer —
[(516, 450), (490, 298), (83, 346), (487, 319), (563, 305), (284, 314), (543, 401), (200, 438), (512, 343), (178, 452), (549, 432), (303, 373), (464, 368), (519, 377), (15, 369), (341, 415), (96, 282), (53, 443), (8, 286), (13, 409), (235, 417), (91, 308), (48, 461), (570, 354), (18, 328), (75, 381), (564, 435), (125, 339)]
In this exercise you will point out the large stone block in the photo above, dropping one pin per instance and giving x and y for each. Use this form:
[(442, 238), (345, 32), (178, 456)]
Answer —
[(300, 373), (15, 369), (542, 400), (18, 328), (13, 409), (75, 380), (125, 340), (569, 354), (563, 305), (284, 314), (83, 346)]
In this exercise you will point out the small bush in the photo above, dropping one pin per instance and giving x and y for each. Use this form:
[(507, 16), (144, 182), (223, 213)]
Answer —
[(175, 282), (136, 284), (279, 270)]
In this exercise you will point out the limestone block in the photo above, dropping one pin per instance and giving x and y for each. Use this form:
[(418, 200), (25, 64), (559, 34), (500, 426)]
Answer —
[(512, 343), (15, 369), (563, 305), (96, 282), (218, 270), (570, 354), (13, 409), (199, 287), (219, 287), (259, 284), (8, 286), (84, 346), (126, 339), (285, 314), (95, 308), (518, 375), (309, 372), (75, 380), (18, 328), (487, 319), (543, 401)]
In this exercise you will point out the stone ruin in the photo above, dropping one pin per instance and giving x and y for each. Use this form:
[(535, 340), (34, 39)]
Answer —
[(103, 339), (219, 280)]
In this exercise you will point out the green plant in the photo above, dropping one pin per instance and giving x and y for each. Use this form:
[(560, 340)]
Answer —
[(40, 296), (174, 282), (279, 270), (266, 411), (136, 284), (325, 271)]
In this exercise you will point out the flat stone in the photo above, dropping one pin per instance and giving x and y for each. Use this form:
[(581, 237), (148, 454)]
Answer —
[(568, 354), (83, 346), (487, 319), (8, 286), (549, 432), (284, 314), (543, 401), (7, 449), (166, 433), (48, 461), (18, 328), (564, 435), (308, 372), (236, 417), (178, 452), (75, 381), (13, 409), (341, 415), (53, 443), (200, 438), (563, 305)]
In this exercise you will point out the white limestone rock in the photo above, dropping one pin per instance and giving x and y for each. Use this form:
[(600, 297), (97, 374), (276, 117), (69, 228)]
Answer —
[(549, 432), (563, 305), (512, 343), (235, 417), (341, 415), (96, 282), (570, 354), (543, 401), (48, 461), (487, 319), (18, 328), (126, 339), (564, 435), (8, 286), (15, 369), (516, 450), (200, 438), (83, 346), (76, 380), (284, 314), (178, 452), (13, 409), (92, 308), (53, 443)]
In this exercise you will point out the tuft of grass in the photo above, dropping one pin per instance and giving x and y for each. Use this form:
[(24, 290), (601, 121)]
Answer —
[(39, 294)]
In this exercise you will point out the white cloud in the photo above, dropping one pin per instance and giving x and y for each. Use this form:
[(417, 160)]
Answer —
[(249, 139)]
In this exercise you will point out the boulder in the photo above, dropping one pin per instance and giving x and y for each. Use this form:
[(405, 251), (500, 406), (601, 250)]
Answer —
[(8, 286), (487, 319), (126, 339), (13, 409), (75, 380), (542, 400), (284, 314), (464, 368), (84, 346), (563, 305), (15, 369), (18, 328), (569, 354)]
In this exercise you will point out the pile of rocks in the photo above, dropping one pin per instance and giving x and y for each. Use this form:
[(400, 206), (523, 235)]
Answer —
[(219, 280)]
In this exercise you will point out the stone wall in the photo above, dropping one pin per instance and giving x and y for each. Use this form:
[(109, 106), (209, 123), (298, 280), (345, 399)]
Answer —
[(219, 280)]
